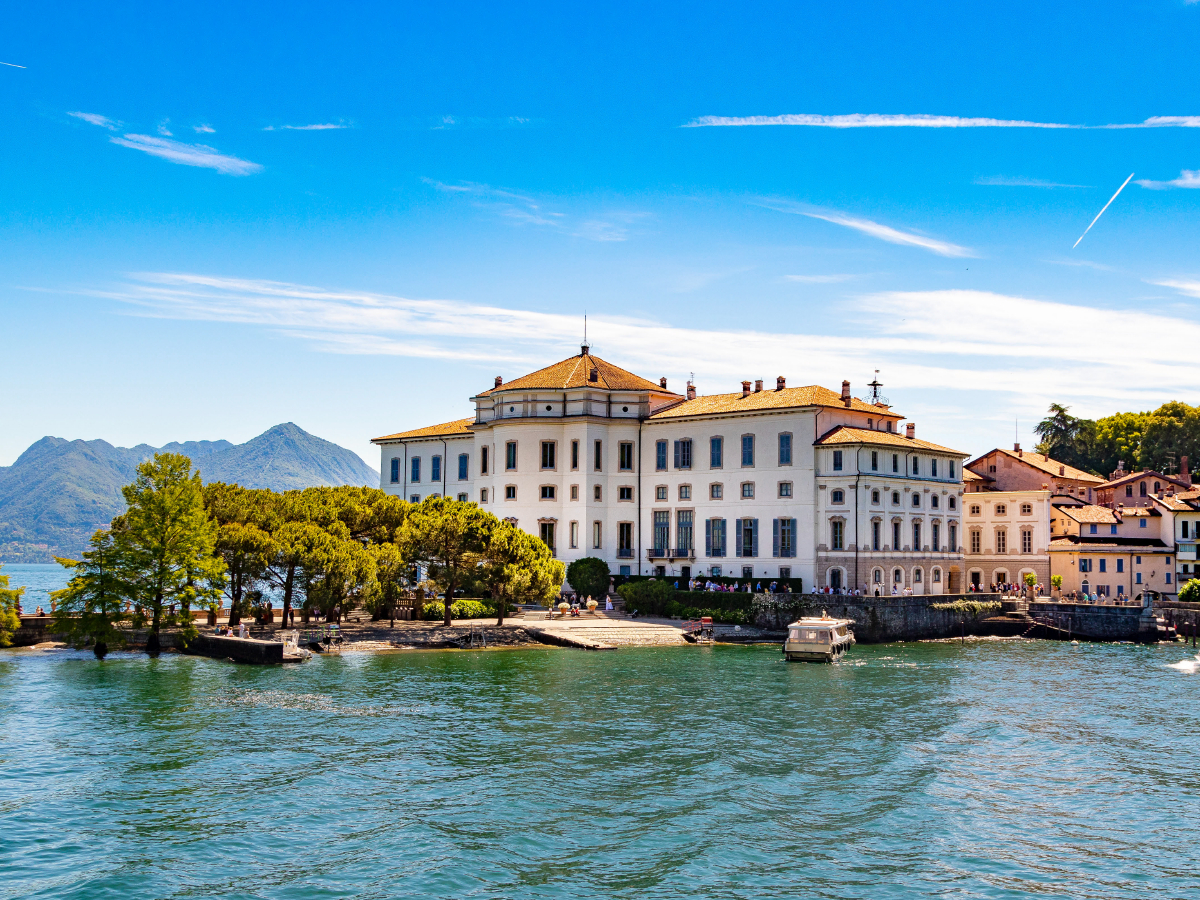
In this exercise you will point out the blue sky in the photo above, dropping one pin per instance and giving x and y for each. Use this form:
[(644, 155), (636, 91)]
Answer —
[(215, 218)]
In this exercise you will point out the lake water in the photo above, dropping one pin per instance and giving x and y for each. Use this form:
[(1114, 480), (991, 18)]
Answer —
[(991, 769), (38, 580)]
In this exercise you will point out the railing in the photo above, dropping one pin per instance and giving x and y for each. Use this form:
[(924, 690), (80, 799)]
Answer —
[(657, 553), (682, 553), (625, 553)]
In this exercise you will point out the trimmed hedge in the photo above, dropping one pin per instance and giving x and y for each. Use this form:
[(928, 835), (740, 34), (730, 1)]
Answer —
[(796, 585), (459, 609)]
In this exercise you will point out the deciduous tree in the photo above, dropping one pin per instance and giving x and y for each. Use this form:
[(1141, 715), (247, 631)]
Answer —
[(9, 620), (449, 537), (91, 608)]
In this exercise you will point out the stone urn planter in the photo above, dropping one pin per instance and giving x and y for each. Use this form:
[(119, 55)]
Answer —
[(591, 605), (564, 608)]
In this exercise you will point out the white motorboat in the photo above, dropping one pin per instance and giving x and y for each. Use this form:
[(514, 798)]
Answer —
[(818, 639)]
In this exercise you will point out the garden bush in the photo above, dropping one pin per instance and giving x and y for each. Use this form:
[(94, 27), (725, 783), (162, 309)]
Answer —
[(459, 609)]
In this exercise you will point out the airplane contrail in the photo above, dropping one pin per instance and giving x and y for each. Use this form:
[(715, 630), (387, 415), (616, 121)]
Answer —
[(14, 65), (1106, 206)]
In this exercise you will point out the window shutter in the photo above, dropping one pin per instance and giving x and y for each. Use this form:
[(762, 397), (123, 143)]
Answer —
[(737, 536), (708, 548), (754, 537), (677, 454), (774, 537)]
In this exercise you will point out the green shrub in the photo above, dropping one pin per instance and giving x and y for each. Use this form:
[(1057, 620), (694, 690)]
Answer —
[(976, 608), (1190, 592), (589, 577), (460, 609), (650, 598)]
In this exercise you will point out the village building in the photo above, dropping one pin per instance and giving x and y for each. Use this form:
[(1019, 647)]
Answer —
[(1007, 537), (1020, 470), (1134, 488), (802, 483), (1115, 553), (1183, 509)]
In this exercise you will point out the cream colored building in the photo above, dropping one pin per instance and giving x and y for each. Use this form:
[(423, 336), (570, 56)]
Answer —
[(600, 462), (1007, 534), (1113, 552)]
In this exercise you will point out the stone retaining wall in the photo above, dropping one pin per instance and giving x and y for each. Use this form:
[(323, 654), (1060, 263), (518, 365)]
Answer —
[(879, 619), (245, 650), (1099, 623)]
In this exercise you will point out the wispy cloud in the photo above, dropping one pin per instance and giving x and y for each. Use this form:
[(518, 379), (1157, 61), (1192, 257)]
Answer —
[(204, 129), (527, 210), (162, 128), (1188, 178), (444, 123), (1187, 288), (873, 229), (94, 119), (1018, 181), (324, 126), (187, 154), (924, 336), (876, 120)]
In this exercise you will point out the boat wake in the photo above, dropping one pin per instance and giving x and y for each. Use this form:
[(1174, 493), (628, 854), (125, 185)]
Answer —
[(1190, 666)]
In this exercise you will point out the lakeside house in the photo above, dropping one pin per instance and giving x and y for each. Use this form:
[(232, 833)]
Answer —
[(804, 482)]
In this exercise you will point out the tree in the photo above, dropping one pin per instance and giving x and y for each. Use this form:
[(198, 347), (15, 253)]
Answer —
[(391, 571), (1190, 592), (1171, 431), (239, 540), (1065, 437), (339, 573), (165, 542), (10, 621), (1118, 440), (589, 576), (91, 607), (449, 537)]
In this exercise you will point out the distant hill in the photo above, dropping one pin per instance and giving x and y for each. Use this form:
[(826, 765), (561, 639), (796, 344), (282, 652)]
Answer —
[(59, 492)]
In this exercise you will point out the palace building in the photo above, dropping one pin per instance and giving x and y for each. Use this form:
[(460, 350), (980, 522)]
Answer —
[(801, 482)]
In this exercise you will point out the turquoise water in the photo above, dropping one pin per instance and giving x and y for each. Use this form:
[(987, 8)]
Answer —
[(38, 580), (994, 769)]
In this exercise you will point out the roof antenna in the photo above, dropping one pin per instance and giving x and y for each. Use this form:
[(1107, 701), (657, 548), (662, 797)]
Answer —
[(583, 350)]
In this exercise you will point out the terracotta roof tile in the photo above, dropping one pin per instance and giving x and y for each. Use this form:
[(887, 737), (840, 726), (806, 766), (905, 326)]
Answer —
[(446, 429), (1108, 545), (575, 373), (1135, 476), (1045, 464), (1091, 514), (844, 434), (1175, 504), (788, 398)]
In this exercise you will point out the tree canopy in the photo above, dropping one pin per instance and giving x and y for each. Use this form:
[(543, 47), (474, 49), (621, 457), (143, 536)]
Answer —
[(589, 577), (9, 620), (1152, 440)]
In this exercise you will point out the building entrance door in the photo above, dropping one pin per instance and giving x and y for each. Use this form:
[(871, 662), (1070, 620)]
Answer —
[(685, 572), (976, 579), (835, 579)]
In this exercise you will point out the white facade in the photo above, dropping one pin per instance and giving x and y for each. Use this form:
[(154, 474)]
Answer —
[(1007, 535), (656, 483)]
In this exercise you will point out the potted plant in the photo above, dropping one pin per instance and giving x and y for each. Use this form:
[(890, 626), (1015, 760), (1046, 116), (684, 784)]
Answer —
[(591, 605), (1056, 585)]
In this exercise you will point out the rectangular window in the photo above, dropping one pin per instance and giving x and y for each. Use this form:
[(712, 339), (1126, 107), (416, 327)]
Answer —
[(934, 534), (916, 544), (1001, 541), (547, 492), (483, 495), (1120, 565), (785, 449), (464, 467), (1112, 529), (975, 541), (435, 468), (597, 533), (785, 489), (462, 498), (660, 492), (951, 465), (625, 493), (598, 457), (574, 454), (510, 492), (574, 535), (547, 530), (874, 460), (916, 466), (625, 456), (548, 460), (683, 531), (396, 480), (785, 537), (716, 491), (483, 460), (896, 462), (415, 474), (574, 492), (1026, 541), (685, 492), (747, 449), (683, 454), (662, 530), (1092, 529), (714, 537), (510, 456), (716, 448), (1141, 523), (933, 468), (837, 535), (748, 490), (1103, 564), (596, 492), (837, 460), (660, 456), (746, 534), (1137, 560), (875, 535), (625, 539), (953, 538), (414, 498), (1138, 579), (1183, 525)]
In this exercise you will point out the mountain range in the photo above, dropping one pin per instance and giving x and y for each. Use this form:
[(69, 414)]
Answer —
[(59, 492)]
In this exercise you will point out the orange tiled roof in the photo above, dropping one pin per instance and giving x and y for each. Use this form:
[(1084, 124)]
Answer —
[(968, 475), (810, 395), (1138, 512), (1175, 504), (457, 427), (844, 434), (1091, 514), (1149, 473), (575, 372), (1075, 544), (1045, 464)]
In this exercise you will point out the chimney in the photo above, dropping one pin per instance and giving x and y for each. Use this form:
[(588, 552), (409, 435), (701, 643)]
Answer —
[(758, 386), (1185, 474), (745, 389), (910, 430), (1062, 471), (662, 382), (846, 393), (594, 375), (583, 350), (499, 381), (691, 391), (1017, 449), (781, 383)]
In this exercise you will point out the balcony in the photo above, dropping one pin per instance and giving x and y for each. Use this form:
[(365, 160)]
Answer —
[(682, 553), (657, 553), (625, 553), (1186, 552)]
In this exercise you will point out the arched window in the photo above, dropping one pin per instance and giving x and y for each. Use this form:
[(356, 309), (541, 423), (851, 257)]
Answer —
[(877, 576), (874, 496), (897, 576), (837, 497), (933, 501), (916, 576), (895, 498), (953, 503), (936, 576), (916, 501)]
